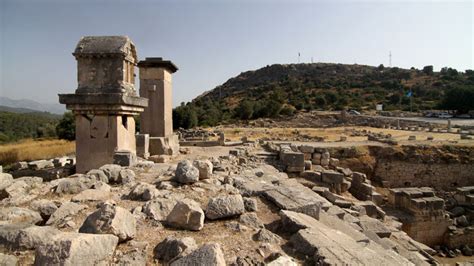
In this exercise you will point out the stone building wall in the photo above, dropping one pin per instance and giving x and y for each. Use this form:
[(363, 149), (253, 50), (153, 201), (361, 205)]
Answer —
[(446, 176)]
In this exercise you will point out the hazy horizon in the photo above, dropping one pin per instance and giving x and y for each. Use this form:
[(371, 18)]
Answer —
[(213, 41)]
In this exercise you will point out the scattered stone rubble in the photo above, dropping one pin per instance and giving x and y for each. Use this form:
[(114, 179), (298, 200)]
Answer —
[(317, 225)]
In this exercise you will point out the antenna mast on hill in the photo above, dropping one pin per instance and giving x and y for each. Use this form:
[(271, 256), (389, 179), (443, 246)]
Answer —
[(298, 57), (390, 59)]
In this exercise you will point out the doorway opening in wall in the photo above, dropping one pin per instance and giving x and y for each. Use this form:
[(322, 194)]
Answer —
[(125, 121)]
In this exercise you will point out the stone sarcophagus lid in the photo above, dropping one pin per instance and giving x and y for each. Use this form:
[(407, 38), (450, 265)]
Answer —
[(105, 100)]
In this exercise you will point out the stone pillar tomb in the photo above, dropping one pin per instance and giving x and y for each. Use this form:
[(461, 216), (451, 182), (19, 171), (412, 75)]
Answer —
[(105, 101), (157, 120)]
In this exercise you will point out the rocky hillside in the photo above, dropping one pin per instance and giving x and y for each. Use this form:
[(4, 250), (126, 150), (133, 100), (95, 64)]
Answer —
[(320, 85), (283, 89)]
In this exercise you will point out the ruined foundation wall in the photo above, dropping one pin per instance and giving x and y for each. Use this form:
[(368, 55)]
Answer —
[(430, 232), (445, 176), (461, 239), (440, 167)]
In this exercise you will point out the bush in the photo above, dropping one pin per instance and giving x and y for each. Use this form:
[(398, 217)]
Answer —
[(287, 110), (66, 128), (460, 99), (244, 110)]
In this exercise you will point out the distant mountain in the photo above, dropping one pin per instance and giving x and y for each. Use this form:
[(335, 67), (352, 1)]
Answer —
[(31, 105), (29, 111)]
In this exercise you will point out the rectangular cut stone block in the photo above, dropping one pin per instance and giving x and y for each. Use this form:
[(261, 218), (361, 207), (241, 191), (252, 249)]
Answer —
[(293, 159), (164, 145), (143, 144), (332, 177), (125, 158), (291, 195), (306, 149), (295, 169), (312, 176)]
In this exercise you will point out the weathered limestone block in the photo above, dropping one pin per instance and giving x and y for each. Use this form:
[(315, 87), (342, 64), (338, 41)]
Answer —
[(45, 207), (225, 206), (159, 209), (306, 149), (77, 249), (186, 214), (312, 176), (266, 236), (5, 181), (34, 236), (333, 162), (291, 195), (251, 219), (40, 164), (164, 145), (171, 248), (294, 221), (19, 215), (374, 225), (74, 185), (97, 175), (316, 158), (332, 177), (292, 159), (143, 145), (65, 210), (209, 254), (111, 219), (186, 173), (143, 191), (125, 158), (112, 171), (205, 168)]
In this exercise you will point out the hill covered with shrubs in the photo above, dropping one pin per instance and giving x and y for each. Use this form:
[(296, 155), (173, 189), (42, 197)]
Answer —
[(284, 89)]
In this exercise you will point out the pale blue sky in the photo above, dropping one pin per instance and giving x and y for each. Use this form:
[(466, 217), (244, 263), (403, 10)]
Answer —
[(212, 41)]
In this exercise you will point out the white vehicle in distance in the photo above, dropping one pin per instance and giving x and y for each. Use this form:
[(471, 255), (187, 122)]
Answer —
[(354, 112), (444, 115)]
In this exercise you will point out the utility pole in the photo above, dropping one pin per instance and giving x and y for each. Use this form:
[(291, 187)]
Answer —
[(390, 59), (299, 57)]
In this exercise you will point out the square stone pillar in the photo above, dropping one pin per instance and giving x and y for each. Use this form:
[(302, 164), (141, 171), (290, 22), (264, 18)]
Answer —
[(155, 85), (105, 101), (157, 118)]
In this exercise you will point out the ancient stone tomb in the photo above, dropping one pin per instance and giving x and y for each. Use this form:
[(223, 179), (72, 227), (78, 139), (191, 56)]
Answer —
[(105, 101)]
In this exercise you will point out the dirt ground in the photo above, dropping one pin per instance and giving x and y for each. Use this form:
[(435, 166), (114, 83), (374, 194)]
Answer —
[(333, 135)]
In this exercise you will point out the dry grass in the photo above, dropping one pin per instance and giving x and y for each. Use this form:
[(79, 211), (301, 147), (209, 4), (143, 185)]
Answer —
[(29, 149)]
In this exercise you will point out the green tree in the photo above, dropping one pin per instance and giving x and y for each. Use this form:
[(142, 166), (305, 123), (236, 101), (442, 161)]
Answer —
[(244, 110), (460, 99), (185, 116), (428, 70), (66, 128)]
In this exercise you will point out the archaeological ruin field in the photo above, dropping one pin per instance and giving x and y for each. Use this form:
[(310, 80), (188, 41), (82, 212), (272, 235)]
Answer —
[(308, 188)]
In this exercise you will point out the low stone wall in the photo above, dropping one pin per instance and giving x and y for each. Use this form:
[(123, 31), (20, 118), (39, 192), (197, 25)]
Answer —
[(460, 238), (446, 176)]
